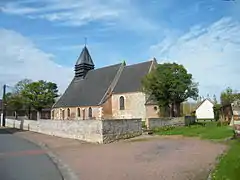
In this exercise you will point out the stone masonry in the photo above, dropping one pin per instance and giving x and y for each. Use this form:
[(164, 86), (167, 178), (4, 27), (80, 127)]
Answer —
[(134, 106), (96, 131)]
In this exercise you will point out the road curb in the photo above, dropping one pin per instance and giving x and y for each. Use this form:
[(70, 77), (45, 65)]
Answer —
[(64, 169)]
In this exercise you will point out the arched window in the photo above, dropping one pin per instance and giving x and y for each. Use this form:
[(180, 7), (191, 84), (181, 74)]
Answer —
[(68, 112), (90, 112), (78, 112), (121, 103), (63, 114)]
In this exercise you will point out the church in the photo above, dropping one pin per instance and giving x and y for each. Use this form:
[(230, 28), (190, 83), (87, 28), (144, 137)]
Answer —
[(111, 92)]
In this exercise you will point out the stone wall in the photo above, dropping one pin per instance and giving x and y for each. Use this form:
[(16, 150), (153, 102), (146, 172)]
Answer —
[(97, 131), (134, 106), (121, 129), (161, 122), (62, 113)]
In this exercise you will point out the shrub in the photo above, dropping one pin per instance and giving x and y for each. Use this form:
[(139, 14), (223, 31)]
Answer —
[(216, 110), (144, 124)]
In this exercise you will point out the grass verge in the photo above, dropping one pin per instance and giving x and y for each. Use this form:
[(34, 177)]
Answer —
[(228, 167), (209, 131)]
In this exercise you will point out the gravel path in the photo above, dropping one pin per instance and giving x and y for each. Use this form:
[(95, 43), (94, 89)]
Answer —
[(170, 158)]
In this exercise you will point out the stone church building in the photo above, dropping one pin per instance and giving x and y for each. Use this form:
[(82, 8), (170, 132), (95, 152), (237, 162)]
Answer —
[(111, 92)]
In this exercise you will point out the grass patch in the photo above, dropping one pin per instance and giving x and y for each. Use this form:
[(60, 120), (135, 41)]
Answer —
[(229, 166), (208, 130)]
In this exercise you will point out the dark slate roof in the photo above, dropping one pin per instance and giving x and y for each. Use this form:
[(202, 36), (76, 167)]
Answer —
[(85, 57), (131, 77), (90, 90)]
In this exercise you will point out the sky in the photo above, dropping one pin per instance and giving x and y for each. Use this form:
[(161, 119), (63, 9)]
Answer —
[(42, 39)]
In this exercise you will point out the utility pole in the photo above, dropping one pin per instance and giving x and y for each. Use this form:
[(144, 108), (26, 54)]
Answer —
[(3, 106)]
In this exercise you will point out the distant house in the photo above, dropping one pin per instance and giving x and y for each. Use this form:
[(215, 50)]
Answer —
[(204, 111), (231, 112)]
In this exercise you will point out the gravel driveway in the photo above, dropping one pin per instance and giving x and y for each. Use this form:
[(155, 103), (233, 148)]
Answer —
[(162, 158), (170, 158)]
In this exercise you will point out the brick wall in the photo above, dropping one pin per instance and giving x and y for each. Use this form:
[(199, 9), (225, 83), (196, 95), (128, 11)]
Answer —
[(97, 131), (134, 106)]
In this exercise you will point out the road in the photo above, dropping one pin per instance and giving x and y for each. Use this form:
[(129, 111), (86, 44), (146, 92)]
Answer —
[(22, 160)]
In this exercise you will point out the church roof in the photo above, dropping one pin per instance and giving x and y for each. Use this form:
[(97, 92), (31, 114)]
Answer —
[(85, 57), (90, 90), (131, 77)]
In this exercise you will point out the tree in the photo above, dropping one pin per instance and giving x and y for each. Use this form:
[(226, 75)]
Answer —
[(228, 96), (215, 99), (20, 86), (40, 94), (14, 102), (170, 84)]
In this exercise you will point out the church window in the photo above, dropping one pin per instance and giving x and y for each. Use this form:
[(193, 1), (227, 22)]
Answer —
[(122, 103), (68, 112), (63, 114), (78, 112), (90, 112)]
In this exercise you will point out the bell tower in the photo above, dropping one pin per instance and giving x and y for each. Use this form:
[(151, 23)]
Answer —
[(83, 64)]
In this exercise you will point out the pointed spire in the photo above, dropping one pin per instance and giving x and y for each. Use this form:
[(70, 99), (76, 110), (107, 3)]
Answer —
[(84, 63)]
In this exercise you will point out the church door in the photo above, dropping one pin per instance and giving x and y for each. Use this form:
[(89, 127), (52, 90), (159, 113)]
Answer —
[(83, 114)]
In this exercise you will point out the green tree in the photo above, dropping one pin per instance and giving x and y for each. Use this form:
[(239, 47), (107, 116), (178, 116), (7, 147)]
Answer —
[(228, 96), (20, 85), (170, 84), (40, 94), (215, 99), (14, 102), (216, 110)]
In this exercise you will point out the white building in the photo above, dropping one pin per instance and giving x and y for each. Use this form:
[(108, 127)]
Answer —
[(204, 110)]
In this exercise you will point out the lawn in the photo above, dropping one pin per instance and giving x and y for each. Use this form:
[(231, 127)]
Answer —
[(228, 167), (209, 131)]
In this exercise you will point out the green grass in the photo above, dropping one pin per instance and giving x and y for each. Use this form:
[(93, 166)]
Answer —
[(229, 166), (209, 131)]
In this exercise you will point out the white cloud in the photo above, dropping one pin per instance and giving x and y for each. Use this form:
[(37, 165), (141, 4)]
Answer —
[(82, 12), (211, 54), (20, 58)]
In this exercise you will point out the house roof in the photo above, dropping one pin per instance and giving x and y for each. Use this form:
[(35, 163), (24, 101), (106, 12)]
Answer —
[(207, 99), (90, 90), (131, 77)]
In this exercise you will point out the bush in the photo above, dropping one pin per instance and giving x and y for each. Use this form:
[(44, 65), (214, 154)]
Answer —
[(144, 124), (216, 110)]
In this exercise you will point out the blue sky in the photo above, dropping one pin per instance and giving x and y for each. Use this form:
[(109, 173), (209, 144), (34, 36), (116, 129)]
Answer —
[(41, 39)]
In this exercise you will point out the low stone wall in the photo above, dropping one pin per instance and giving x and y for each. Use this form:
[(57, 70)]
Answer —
[(161, 122), (97, 131), (120, 129)]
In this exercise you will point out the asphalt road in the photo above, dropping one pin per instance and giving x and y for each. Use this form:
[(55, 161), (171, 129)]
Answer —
[(22, 160)]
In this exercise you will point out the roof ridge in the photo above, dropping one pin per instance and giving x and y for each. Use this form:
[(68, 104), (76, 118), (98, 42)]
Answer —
[(106, 67), (140, 63)]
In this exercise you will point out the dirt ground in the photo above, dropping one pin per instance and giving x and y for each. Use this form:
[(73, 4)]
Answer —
[(163, 158)]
